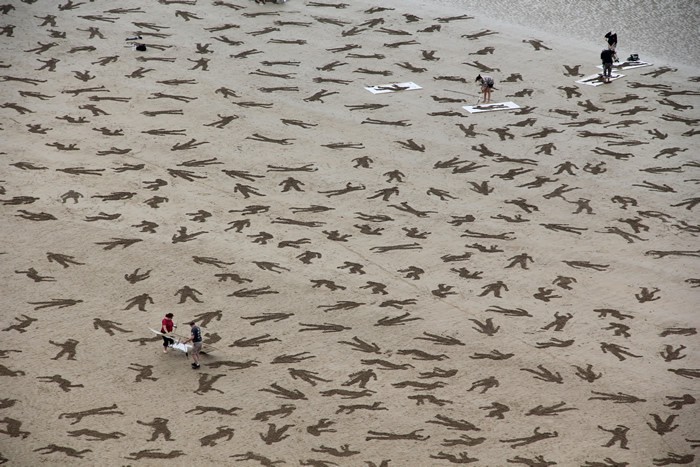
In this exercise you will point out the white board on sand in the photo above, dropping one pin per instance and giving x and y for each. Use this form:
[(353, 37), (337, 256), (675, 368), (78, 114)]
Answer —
[(490, 107), (393, 87), (597, 80), (628, 65)]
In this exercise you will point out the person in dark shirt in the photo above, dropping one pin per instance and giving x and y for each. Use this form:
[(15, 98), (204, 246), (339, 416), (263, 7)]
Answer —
[(196, 339), (607, 56), (611, 39), (167, 327)]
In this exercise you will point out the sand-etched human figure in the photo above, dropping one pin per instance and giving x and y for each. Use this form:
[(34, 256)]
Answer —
[(34, 275), (144, 372), (647, 295), (559, 321), (673, 458), (94, 435), (495, 288), (63, 383), (139, 301), (78, 416), (221, 433), (67, 348), (619, 435), (12, 428), (520, 260), (63, 260), (496, 410), (68, 451), (545, 294), (564, 282), (22, 323), (678, 402), (620, 351), (536, 436), (108, 326), (188, 292), (485, 384), (154, 454), (619, 329), (206, 383), (160, 428)]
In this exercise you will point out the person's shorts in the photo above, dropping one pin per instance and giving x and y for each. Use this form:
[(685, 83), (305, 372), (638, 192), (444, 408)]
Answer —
[(196, 348)]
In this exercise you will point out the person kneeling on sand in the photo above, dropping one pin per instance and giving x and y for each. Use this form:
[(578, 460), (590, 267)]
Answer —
[(486, 83)]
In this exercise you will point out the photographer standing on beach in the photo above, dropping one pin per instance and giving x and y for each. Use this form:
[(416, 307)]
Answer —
[(486, 87), (607, 56)]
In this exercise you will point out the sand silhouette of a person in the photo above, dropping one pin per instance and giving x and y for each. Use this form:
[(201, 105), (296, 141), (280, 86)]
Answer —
[(291, 183), (160, 428), (12, 428), (495, 288), (677, 402), (51, 448), (496, 410), (559, 321), (385, 193), (139, 301), (144, 372), (536, 436), (35, 276), (223, 121), (67, 348), (619, 435), (206, 383), (619, 329), (108, 326), (188, 292), (520, 260), (63, 260), (647, 295), (620, 351), (375, 287), (71, 194), (485, 384), (63, 383), (94, 435), (221, 433), (545, 294), (353, 268)]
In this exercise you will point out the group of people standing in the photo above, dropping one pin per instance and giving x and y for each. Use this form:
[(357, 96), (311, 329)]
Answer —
[(168, 326)]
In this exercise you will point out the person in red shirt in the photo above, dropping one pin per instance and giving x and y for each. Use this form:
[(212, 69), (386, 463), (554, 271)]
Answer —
[(167, 327)]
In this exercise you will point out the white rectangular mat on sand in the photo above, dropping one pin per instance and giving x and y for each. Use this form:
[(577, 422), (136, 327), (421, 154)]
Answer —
[(393, 87), (628, 65), (597, 80), (491, 107)]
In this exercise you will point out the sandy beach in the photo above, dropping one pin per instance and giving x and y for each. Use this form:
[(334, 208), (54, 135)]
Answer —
[(386, 274)]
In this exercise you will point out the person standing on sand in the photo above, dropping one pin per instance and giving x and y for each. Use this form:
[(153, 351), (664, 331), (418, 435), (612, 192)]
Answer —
[(167, 327), (607, 56), (611, 38), (486, 83), (196, 339)]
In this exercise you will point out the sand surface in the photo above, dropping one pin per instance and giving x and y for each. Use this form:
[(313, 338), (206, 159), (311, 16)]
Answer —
[(386, 279)]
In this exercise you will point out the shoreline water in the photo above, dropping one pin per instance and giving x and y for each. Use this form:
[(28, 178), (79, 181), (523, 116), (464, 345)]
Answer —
[(665, 32)]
